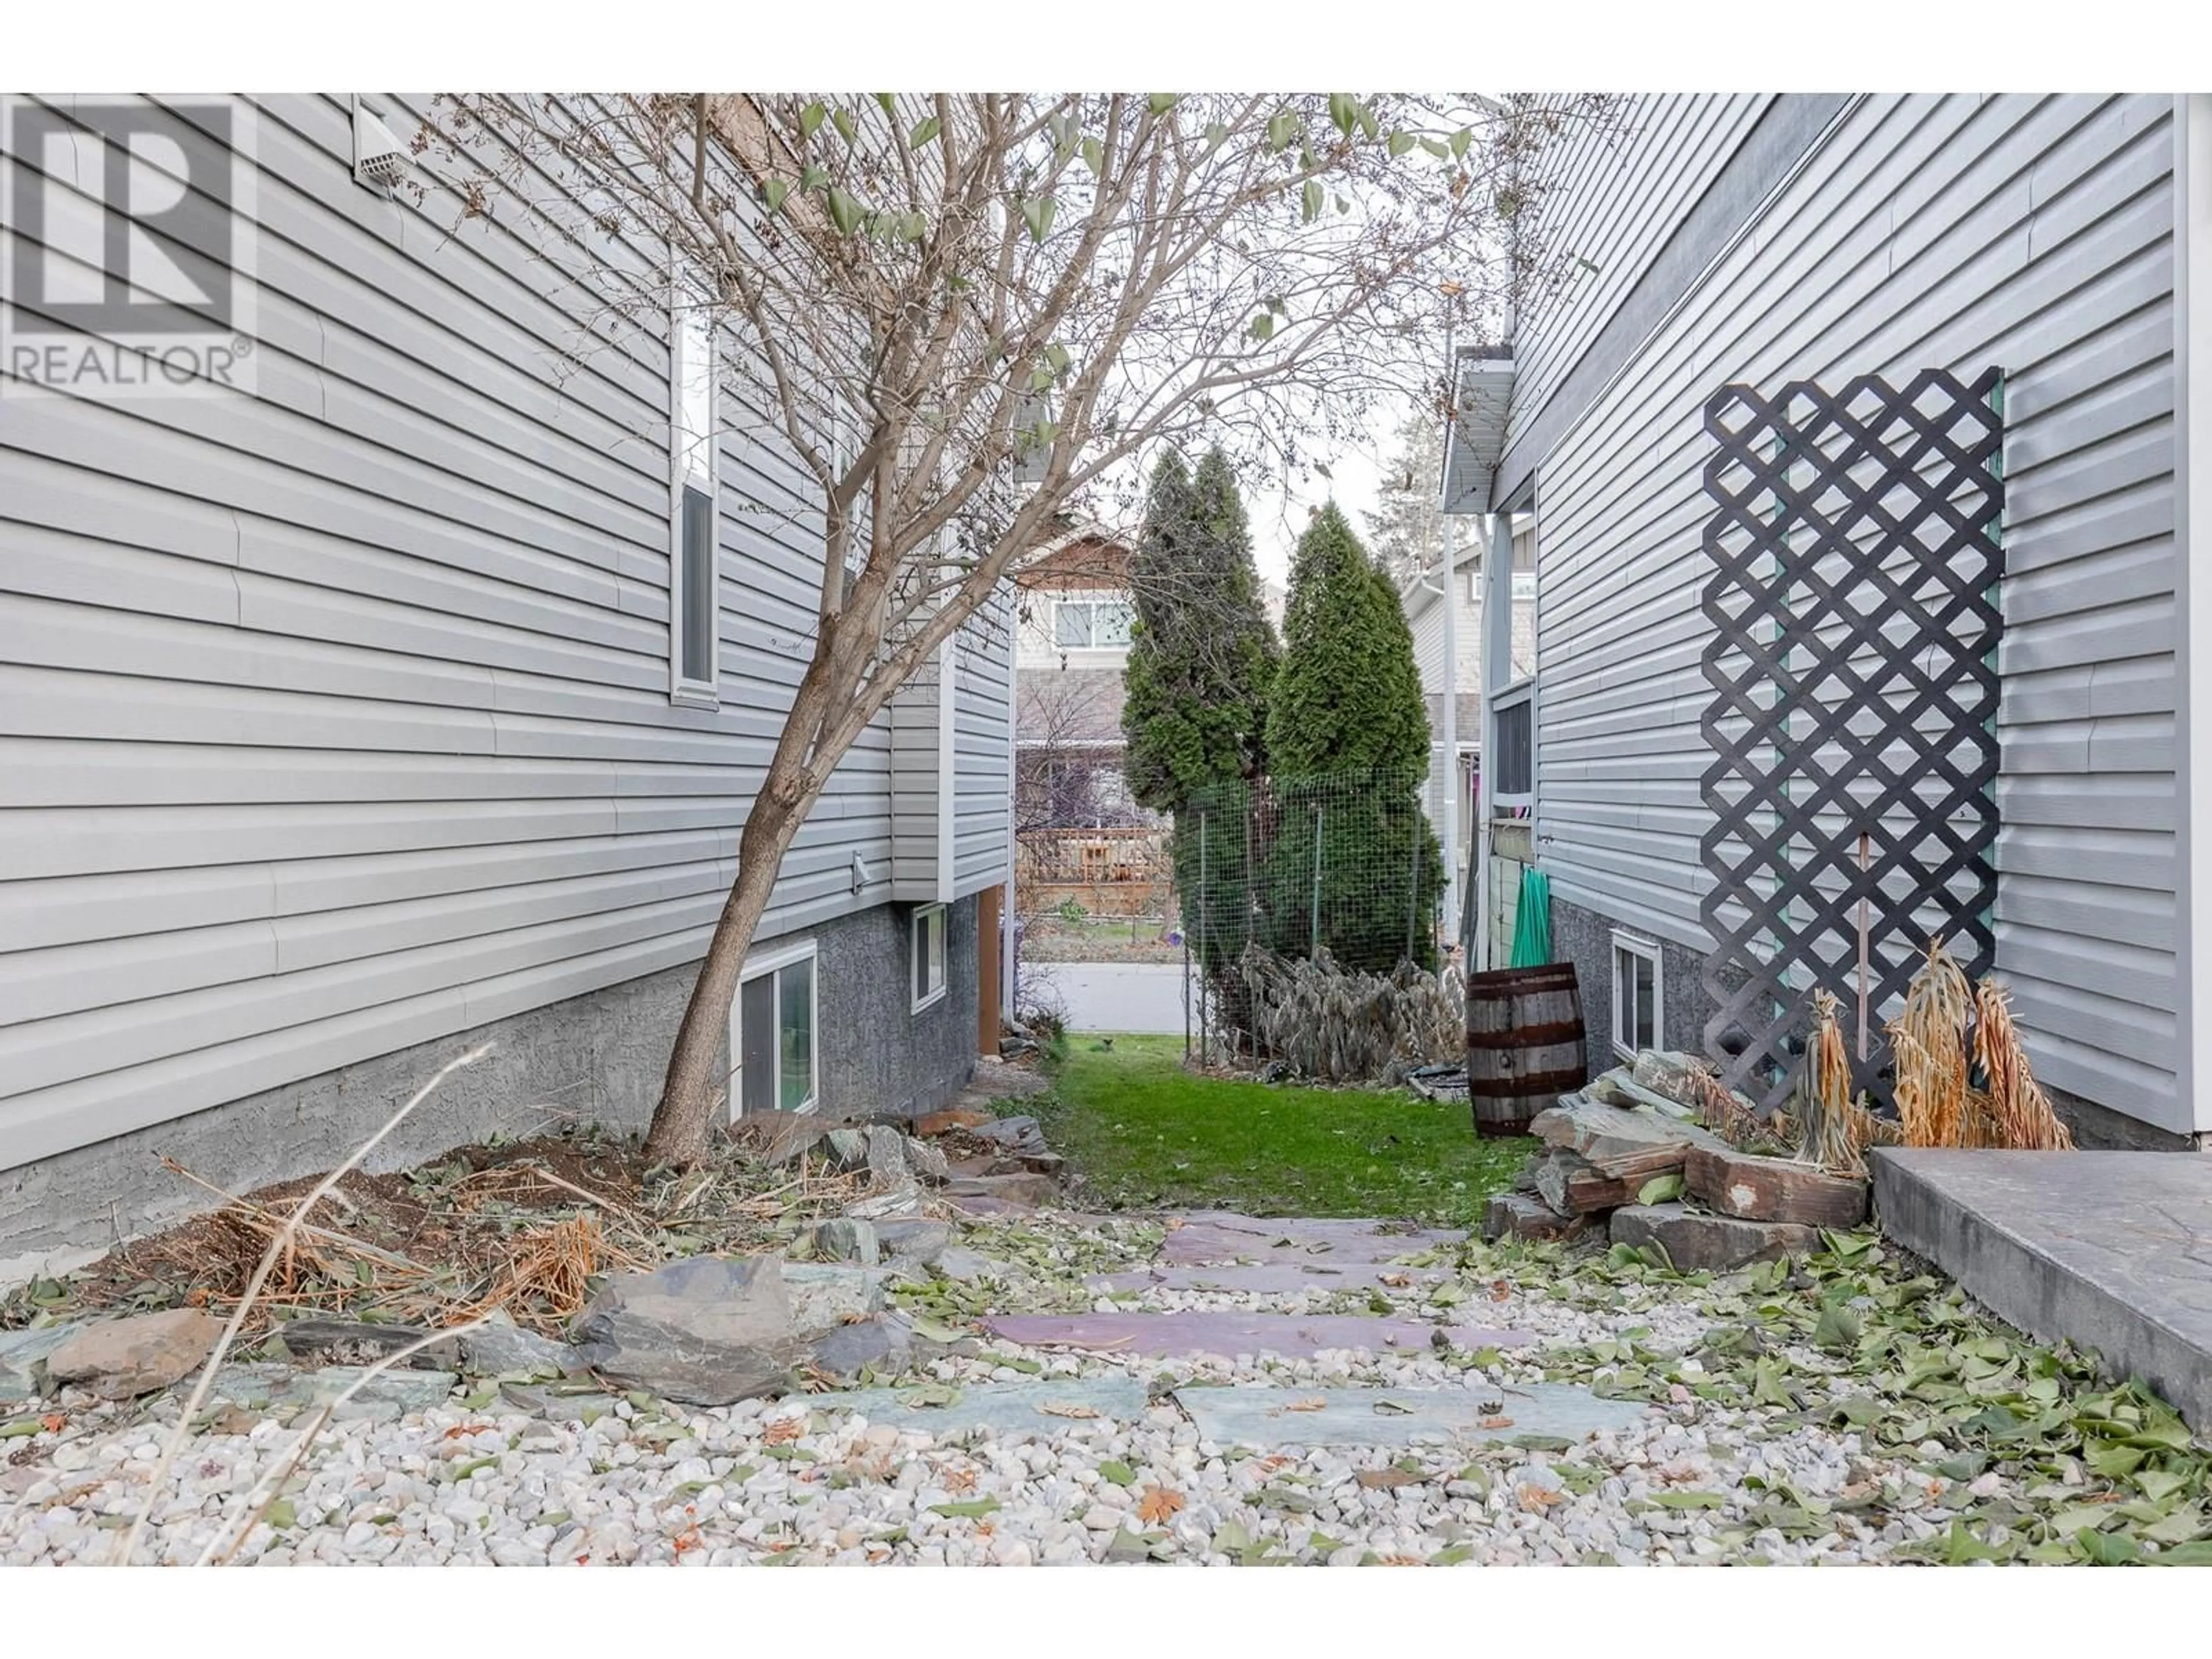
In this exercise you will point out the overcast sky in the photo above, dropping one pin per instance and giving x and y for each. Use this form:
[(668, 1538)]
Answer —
[(1279, 516)]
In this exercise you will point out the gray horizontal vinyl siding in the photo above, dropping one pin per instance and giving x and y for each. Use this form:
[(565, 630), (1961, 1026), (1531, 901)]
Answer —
[(2032, 234), (982, 765), (1615, 194), (335, 718)]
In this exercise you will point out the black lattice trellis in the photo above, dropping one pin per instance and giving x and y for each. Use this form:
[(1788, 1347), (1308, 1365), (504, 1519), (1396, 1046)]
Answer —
[(1856, 557)]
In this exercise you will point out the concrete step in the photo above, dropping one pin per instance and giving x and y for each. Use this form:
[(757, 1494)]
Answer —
[(2111, 1251)]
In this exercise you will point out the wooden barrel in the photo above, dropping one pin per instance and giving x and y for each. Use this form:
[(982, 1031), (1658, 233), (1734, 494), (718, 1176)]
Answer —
[(1524, 1044)]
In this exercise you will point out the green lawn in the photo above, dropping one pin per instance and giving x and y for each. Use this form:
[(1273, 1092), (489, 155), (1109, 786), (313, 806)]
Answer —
[(1144, 1133)]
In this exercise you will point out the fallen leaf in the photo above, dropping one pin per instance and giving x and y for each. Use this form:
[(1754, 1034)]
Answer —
[(1385, 1479), (1063, 1409), (1316, 1404), (53, 1422), (1396, 1281), (974, 1507), (783, 1431), (1533, 1496), (1497, 1423), (1500, 1290), (1115, 1470), (1392, 1408), (1159, 1503), (960, 1480)]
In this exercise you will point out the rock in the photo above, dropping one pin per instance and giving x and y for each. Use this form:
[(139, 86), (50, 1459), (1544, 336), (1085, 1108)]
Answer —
[(503, 1348), (1621, 1143), (1030, 1189), (901, 1201), (707, 1331), (844, 1239), (951, 1118), (1517, 1215), (1011, 1134), (826, 1293), (23, 1356), (846, 1149), (1773, 1189), (881, 1342), (779, 1136), (386, 1397), (958, 1262), (886, 1156), (349, 1342), (928, 1162), (915, 1241), (123, 1358), (979, 1205), (1695, 1243)]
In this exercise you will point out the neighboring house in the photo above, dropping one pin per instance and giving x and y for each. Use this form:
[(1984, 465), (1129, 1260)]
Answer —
[(1072, 643), (1424, 602), (1762, 240), (351, 724)]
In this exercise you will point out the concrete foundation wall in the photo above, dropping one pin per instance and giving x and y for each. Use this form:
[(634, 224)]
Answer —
[(599, 1057)]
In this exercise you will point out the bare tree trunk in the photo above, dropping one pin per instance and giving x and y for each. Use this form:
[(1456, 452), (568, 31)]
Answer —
[(683, 1120)]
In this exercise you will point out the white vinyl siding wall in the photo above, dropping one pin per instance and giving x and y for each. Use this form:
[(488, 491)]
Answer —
[(2034, 233), (338, 718)]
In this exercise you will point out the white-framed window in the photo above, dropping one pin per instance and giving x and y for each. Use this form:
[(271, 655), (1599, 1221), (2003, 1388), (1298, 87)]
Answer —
[(928, 955), (1083, 624), (772, 1033), (694, 586), (1638, 996)]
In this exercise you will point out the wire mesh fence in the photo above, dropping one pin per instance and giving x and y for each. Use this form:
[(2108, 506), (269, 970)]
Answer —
[(1342, 874)]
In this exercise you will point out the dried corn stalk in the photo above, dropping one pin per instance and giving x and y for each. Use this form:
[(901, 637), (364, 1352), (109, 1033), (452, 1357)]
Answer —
[(1947, 1030), (1928, 1044), (1719, 1108), (2018, 1109)]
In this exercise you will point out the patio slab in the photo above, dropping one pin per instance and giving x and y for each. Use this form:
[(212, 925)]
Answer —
[(1219, 1236), (1318, 1274), (2110, 1250), (1002, 1408), (1229, 1331), (1399, 1416)]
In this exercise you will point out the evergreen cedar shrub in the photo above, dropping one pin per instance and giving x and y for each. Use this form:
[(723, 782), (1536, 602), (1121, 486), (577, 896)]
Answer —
[(1201, 655), (1348, 743), (1202, 659)]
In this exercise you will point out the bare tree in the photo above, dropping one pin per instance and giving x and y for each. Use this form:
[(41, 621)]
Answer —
[(1406, 529), (963, 315)]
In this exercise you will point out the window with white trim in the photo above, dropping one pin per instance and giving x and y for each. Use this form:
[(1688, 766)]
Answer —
[(772, 1027), (694, 588), (928, 955), (1082, 624), (1638, 995)]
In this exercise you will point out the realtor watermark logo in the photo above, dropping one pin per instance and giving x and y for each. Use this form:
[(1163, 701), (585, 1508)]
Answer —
[(126, 247)]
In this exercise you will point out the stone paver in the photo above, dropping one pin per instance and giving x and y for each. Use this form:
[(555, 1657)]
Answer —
[(1321, 1274), (386, 1397), (1001, 1408), (1399, 1416), (1229, 1332)]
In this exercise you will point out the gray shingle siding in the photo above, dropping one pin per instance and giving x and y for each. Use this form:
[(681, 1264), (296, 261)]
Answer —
[(337, 718)]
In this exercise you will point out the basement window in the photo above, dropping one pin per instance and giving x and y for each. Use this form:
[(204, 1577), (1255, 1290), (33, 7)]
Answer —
[(928, 955), (772, 1033), (1638, 995)]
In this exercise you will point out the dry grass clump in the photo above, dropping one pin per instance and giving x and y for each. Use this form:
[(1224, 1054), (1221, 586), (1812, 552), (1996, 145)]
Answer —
[(1333, 1025)]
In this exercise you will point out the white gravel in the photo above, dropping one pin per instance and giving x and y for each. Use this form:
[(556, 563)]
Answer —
[(656, 1483)]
